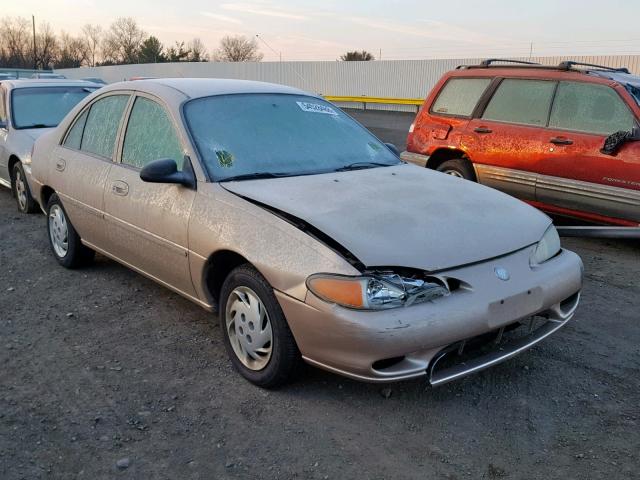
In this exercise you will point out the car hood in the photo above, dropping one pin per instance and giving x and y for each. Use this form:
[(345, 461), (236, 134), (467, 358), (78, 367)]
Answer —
[(403, 216)]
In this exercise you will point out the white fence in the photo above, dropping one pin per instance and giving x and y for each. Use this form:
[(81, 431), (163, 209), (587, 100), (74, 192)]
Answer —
[(380, 78)]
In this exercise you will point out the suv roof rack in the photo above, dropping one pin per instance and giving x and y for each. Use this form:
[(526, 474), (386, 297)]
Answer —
[(566, 65), (489, 61), (569, 64)]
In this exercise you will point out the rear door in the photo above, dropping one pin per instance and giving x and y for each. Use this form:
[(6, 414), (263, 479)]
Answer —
[(80, 165), (575, 174), (148, 222), (505, 140)]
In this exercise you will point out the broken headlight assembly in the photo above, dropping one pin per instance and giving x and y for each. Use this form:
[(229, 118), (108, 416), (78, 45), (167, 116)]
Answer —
[(547, 248), (376, 291)]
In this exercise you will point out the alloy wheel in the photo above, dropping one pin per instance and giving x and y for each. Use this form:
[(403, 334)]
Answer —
[(453, 173)]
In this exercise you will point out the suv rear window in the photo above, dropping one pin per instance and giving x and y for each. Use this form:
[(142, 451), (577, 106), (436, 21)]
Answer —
[(521, 101), (459, 96), (589, 108)]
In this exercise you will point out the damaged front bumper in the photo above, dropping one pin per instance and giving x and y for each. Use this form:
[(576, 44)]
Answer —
[(417, 341)]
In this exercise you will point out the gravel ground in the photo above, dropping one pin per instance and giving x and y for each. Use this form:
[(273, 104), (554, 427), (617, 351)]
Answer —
[(105, 374)]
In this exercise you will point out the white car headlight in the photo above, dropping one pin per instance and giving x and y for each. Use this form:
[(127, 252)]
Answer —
[(375, 291), (547, 248)]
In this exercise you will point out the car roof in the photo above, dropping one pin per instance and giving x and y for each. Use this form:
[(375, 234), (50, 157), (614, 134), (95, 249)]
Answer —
[(205, 87), (53, 82)]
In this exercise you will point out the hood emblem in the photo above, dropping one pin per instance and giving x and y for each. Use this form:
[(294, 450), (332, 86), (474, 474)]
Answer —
[(502, 273)]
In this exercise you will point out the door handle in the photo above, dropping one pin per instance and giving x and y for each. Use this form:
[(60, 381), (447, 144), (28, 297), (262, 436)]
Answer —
[(561, 141), (61, 164), (482, 130), (120, 188)]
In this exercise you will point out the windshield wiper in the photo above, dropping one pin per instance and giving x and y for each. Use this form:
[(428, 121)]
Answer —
[(36, 125), (361, 165), (256, 176)]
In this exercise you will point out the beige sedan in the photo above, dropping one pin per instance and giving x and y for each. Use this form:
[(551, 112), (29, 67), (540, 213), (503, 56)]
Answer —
[(308, 235)]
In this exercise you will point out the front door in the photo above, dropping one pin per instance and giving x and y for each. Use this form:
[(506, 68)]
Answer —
[(506, 140), (575, 174), (148, 222)]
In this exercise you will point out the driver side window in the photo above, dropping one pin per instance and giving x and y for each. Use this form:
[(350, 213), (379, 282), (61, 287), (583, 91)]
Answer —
[(150, 136)]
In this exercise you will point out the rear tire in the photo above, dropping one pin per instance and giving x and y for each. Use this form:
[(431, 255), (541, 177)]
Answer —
[(458, 167), (65, 243), (20, 189), (256, 333)]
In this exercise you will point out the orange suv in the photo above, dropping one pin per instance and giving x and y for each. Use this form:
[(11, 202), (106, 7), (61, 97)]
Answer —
[(563, 139)]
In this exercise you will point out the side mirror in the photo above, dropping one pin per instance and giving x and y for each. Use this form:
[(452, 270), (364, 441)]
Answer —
[(614, 141), (393, 148), (166, 171)]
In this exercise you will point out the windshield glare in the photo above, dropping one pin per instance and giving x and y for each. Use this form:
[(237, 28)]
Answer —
[(42, 107), (281, 134)]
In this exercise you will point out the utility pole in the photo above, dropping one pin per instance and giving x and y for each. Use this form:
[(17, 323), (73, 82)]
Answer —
[(380, 55), (35, 58), (530, 50), (269, 46)]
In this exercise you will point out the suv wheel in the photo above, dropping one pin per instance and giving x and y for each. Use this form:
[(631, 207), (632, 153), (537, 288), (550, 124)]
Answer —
[(458, 167), (64, 241), (20, 188), (256, 333)]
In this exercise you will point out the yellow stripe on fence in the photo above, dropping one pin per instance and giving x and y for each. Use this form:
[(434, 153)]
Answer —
[(384, 100)]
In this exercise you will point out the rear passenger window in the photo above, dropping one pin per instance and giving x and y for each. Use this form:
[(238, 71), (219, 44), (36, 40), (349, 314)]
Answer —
[(589, 108), (74, 137), (459, 96), (101, 126), (521, 101)]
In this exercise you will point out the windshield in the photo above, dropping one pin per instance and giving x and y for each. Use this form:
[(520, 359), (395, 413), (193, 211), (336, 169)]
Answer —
[(44, 107), (255, 135)]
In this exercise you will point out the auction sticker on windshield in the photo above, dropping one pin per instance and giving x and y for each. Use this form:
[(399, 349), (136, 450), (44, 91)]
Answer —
[(316, 108)]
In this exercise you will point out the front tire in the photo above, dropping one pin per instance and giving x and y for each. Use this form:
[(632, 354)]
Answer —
[(458, 167), (256, 334), (65, 243), (21, 192)]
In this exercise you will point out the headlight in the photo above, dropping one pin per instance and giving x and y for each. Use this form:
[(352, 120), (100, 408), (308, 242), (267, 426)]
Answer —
[(548, 247), (374, 291)]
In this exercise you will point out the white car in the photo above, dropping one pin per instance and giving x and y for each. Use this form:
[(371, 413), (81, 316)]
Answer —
[(28, 108)]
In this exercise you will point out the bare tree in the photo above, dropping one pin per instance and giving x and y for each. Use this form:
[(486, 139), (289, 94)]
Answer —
[(92, 37), (46, 46), (356, 56), (123, 40), (17, 47), (197, 51), (73, 51), (237, 48)]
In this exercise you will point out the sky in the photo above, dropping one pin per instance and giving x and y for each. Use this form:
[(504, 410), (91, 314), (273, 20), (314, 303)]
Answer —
[(410, 29)]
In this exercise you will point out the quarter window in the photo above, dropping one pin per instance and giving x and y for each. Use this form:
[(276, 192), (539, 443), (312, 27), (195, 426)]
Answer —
[(589, 108), (521, 101), (150, 136), (459, 96), (74, 137)]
